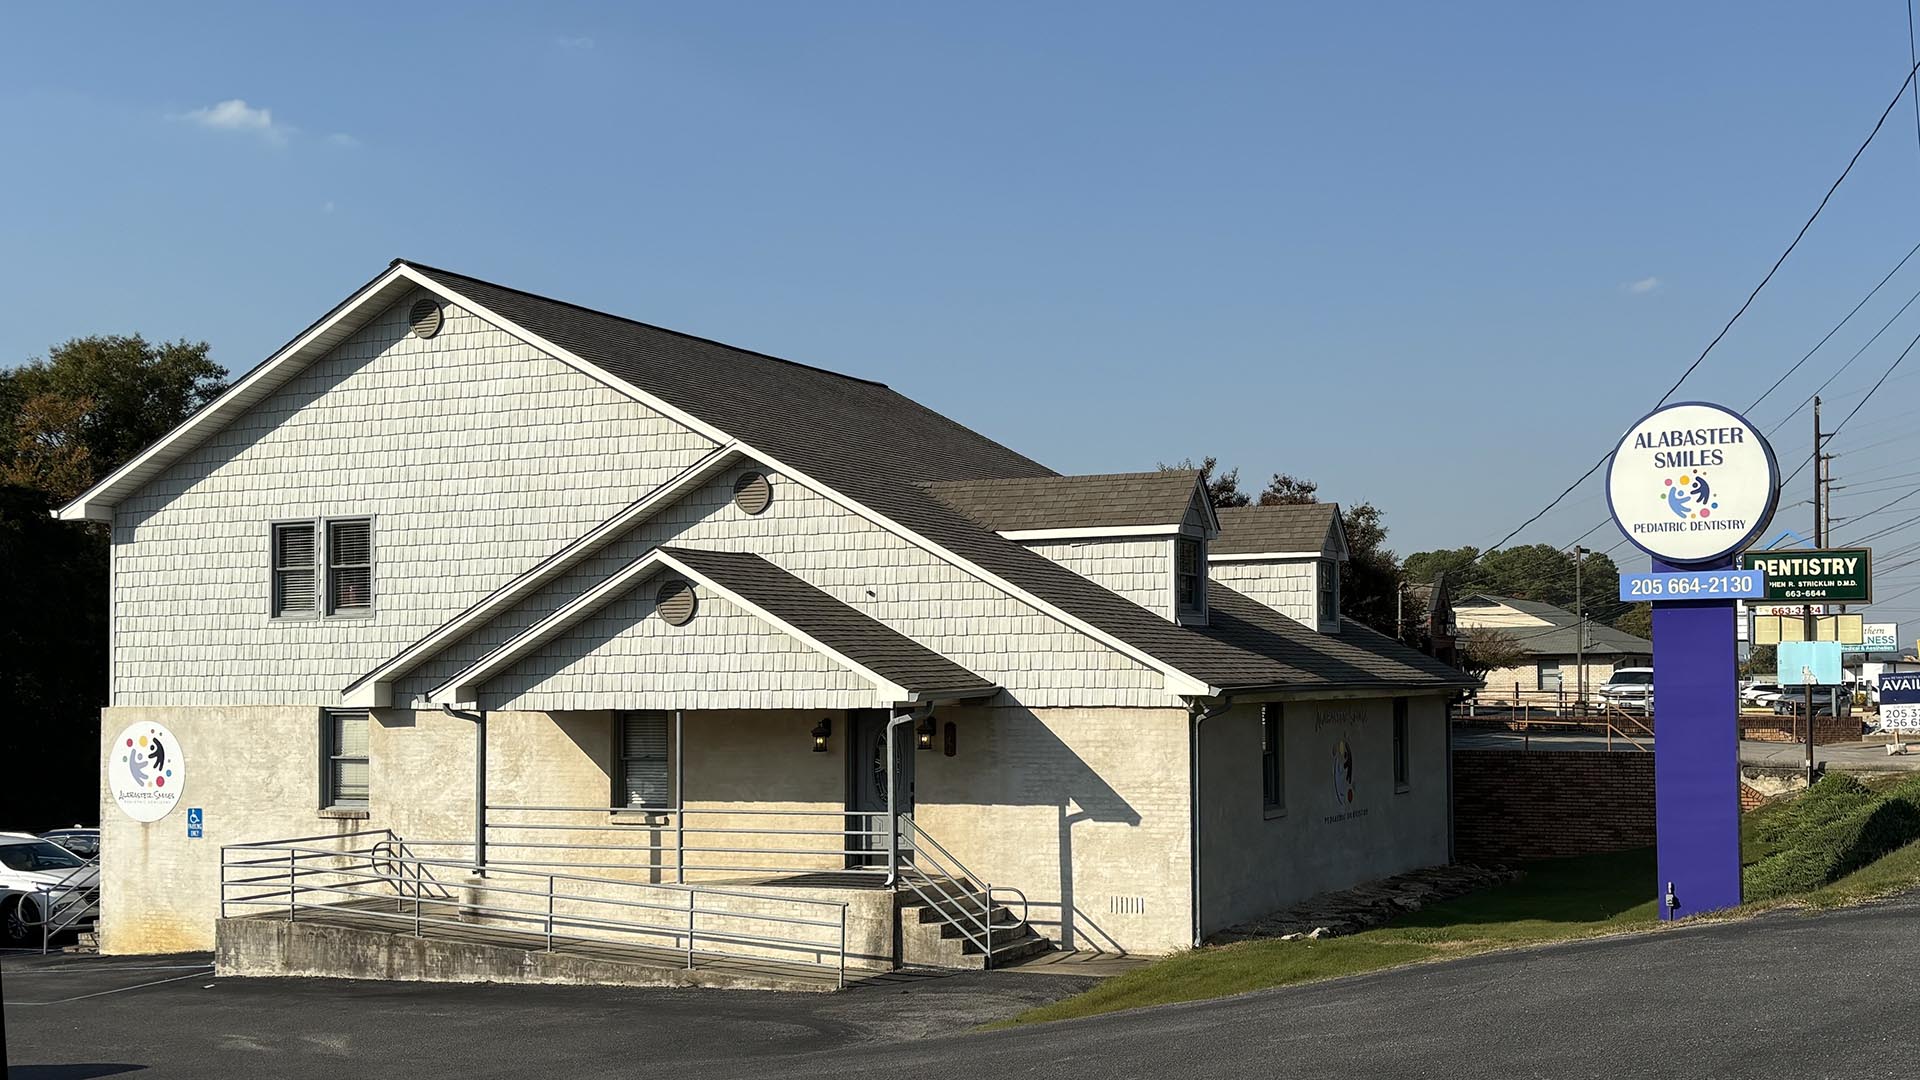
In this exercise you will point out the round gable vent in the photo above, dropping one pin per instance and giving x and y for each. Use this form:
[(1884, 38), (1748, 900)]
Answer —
[(675, 602), (753, 492), (424, 318)]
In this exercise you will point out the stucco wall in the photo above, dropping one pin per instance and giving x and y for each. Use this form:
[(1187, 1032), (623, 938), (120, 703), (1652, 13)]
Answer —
[(1255, 862), (476, 454), (1085, 810)]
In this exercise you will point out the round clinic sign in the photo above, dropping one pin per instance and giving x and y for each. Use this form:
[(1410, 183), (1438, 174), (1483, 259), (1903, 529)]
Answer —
[(1692, 483), (146, 772)]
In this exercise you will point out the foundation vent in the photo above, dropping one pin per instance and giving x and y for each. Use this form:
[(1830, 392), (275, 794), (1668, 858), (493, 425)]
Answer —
[(675, 602), (424, 318), (1126, 905)]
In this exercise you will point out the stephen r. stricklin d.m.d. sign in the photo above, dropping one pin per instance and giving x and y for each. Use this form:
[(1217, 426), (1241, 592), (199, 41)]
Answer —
[(1692, 482)]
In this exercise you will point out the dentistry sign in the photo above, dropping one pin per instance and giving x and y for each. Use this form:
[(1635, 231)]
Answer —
[(1692, 484)]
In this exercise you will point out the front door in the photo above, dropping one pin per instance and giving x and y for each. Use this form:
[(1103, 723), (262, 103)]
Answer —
[(867, 782)]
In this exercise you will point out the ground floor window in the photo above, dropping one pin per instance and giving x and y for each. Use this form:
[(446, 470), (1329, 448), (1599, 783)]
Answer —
[(1402, 776), (1273, 774), (343, 751), (641, 777), (1549, 675)]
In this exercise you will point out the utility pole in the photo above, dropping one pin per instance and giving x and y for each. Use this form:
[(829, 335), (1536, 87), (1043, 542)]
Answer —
[(1811, 622), (1580, 633)]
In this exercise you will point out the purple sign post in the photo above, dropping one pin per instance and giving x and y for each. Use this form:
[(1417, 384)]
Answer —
[(1691, 484)]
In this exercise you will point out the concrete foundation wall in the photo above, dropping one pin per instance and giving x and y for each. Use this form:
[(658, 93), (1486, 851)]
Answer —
[(1084, 810), (1255, 861)]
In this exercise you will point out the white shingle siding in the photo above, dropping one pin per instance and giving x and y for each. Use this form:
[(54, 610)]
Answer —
[(476, 454), (1288, 586), (626, 657), (1037, 658), (1140, 569)]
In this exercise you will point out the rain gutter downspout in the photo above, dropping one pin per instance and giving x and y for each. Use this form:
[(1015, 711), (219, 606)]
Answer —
[(1200, 716), (479, 783)]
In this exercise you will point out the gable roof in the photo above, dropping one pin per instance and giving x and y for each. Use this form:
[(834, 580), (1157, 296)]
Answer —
[(1560, 638), (858, 442), (1108, 501), (1292, 528), (901, 669)]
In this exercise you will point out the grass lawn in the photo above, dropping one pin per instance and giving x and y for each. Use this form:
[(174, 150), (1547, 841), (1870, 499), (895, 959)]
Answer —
[(1557, 900)]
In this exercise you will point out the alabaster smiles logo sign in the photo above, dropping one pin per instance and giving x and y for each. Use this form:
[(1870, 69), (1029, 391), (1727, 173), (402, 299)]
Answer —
[(146, 772), (1692, 483)]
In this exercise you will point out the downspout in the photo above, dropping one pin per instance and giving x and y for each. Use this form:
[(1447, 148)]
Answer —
[(1200, 716), (893, 816), (479, 784)]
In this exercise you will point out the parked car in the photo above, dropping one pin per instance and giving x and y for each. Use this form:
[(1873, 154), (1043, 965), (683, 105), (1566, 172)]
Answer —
[(78, 839), (40, 880), (1629, 689), (1832, 699), (1759, 695)]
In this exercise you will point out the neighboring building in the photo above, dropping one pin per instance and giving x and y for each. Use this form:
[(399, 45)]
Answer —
[(1551, 636), (682, 592)]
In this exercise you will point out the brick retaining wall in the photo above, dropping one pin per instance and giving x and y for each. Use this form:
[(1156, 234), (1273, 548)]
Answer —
[(1511, 805), (1786, 729)]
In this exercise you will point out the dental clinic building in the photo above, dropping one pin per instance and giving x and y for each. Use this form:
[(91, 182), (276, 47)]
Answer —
[(460, 561)]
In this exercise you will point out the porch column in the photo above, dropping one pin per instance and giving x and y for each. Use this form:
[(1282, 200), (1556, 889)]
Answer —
[(680, 796)]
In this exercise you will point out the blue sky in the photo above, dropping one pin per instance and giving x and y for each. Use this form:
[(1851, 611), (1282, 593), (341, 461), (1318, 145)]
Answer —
[(1434, 256)]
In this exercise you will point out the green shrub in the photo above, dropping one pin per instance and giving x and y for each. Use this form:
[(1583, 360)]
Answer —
[(1838, 826)]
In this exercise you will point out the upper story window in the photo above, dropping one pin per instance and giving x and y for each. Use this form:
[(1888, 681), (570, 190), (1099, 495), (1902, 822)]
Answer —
[(1189, 577), (322, 567), (1329, 589)]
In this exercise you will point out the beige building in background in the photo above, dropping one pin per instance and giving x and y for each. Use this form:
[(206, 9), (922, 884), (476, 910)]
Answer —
[(496, 580), (1558, 647)]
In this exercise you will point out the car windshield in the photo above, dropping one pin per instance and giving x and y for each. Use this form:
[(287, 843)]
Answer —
[(38, 855), (1632, 678)]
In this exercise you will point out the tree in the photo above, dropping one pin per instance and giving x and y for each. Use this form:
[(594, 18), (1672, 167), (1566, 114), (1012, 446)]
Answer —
[(1487, 649), (1285, 489), (66, 421), (1762, 663), (1223, 489)]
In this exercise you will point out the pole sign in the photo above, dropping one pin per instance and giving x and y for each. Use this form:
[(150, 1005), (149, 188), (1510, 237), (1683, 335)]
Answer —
[(1691, 484), (1900, 701), (1833, 576)]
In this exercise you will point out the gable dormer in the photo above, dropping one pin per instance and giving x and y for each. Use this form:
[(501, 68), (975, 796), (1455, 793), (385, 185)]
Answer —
[(1144, 536), (1287, 557)]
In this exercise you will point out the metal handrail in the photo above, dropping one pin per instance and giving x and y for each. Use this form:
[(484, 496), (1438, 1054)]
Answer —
[(55, 907), (387, 870), (949, 906), (718, 843)]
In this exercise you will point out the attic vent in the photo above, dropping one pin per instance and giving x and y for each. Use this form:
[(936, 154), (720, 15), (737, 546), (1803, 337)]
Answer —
[(424, 317), (752, 492), (675, 602)]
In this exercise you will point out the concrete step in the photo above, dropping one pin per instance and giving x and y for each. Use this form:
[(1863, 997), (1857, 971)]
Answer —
[(927, 946)]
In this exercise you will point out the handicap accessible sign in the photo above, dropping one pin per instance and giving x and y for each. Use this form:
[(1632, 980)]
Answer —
[(195, 823)]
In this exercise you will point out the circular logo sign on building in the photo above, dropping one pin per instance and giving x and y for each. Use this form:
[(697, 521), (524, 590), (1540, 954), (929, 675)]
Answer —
[(1692, 483), (146, 772)]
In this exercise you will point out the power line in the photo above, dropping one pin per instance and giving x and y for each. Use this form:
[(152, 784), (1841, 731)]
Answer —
[(1857, 407), (1836, 329), (1878, 124)]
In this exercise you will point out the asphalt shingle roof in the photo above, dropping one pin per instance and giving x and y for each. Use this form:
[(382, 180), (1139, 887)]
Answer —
[(1255, 530), (1011, 504), (1562, 638), (850, 632), (884, 450)]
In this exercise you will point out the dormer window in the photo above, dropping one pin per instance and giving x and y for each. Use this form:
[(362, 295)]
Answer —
[(1189, 579), (1329, 607)]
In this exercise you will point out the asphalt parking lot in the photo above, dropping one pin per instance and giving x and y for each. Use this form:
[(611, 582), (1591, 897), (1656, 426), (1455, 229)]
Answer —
[(78, 1017)]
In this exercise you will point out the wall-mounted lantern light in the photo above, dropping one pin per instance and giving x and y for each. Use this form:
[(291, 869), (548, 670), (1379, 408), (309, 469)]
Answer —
[(925, 733), (821, 731)]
